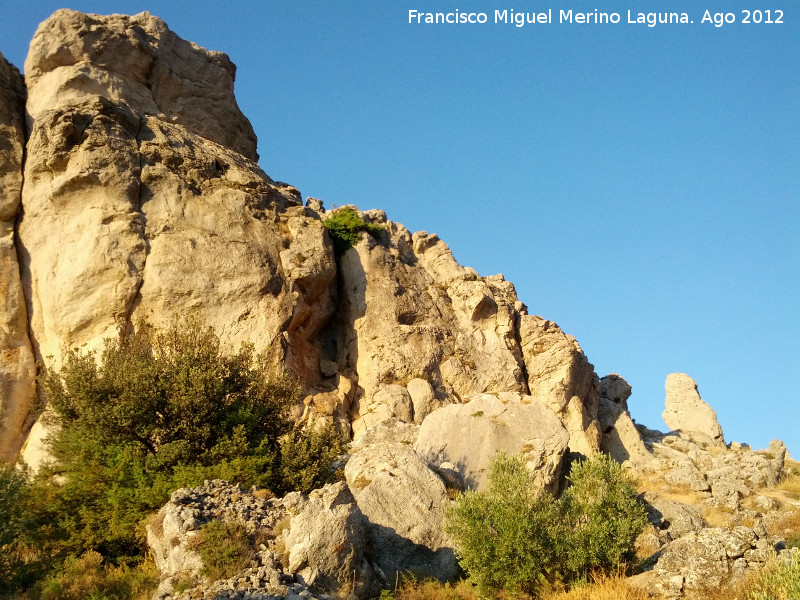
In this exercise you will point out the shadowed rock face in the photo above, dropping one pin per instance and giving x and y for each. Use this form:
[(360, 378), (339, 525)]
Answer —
[(17, 369)]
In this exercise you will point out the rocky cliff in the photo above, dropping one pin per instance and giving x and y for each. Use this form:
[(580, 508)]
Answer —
[(142, 201)]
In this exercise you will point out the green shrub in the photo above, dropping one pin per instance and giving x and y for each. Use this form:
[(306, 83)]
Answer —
[(511, 537), (602, 515), (345, 227), (224, 548), (13, 528), (508, 536), (158, 412), (307, 458), (88, 578)]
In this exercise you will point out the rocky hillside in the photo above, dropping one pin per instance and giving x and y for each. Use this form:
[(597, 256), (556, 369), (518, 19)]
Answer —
[(130, 193)]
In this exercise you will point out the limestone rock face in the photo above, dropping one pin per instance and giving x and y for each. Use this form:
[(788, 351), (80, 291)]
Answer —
[(686, 412), (138, 63), (410, 312), (560, 374), (142, 202), (403, 501), (17, 366), (470, 435)]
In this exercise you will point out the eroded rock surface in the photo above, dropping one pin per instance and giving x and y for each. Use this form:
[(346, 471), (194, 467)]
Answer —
[(403, 501), (17, 366), (620, 438)]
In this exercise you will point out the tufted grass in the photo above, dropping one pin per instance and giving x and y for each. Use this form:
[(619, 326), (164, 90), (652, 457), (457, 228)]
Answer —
[(602, 587)]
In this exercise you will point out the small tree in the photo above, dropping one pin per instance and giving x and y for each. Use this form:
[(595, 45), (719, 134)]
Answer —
[(515, 538), (159, 411), (508, 536), (602, 515)]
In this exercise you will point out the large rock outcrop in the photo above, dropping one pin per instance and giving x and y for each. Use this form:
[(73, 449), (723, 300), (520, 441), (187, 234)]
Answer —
[(687, 413), (142, 202), (17, 368), (141, 199), (560, 375), (620, 438)]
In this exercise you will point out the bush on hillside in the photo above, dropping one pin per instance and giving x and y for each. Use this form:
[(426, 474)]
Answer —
[(514, 538), (509, 536), (308, 457), (602, 515), (345, 227), (159, 411)]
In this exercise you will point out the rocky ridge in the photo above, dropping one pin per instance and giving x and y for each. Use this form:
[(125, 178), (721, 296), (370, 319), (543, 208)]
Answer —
[(129, 192)]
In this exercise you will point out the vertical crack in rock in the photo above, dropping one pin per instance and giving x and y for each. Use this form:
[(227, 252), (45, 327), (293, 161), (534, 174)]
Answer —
[(137, 295)]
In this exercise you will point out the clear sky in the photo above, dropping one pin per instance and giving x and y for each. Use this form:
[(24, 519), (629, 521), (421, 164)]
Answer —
[(640, 186)]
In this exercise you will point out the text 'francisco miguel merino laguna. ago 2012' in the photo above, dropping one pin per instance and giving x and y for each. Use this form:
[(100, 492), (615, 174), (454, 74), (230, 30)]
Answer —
[(651, 19)]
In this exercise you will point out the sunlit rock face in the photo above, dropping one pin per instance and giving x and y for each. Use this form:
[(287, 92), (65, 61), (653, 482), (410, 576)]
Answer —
[(142, 203)]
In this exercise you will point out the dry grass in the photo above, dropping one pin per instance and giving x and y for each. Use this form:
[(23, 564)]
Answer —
[(776, 581), (603, 587), (655, 482), (787, 526), (718, 516), (790, 486), (433, 590)]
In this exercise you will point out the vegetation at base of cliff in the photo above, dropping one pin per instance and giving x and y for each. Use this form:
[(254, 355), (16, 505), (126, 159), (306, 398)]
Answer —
[(158, 411), (601, 587), (513, 538), (345, 227), (308, 457)]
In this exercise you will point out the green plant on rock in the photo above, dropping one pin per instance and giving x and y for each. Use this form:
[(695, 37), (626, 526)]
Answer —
[(224, 548), (345, 227)]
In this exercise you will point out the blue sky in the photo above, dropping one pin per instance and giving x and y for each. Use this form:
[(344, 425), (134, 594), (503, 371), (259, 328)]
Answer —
[(640, 186)]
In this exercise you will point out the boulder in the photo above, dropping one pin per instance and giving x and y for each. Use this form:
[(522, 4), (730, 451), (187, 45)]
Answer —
[(423, 398), (17, 365), (709, 559), (687, 413), (470, 435), (326, 541), (674, 519), (403, 501)]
